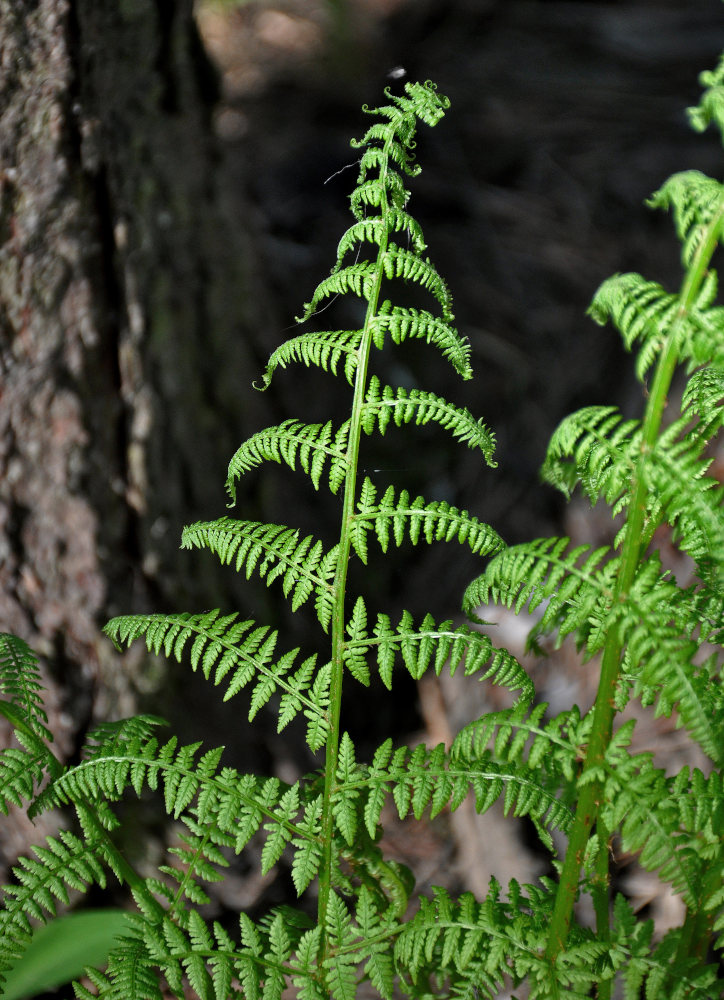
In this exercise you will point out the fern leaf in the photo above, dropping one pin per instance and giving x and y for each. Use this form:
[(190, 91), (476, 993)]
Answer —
[(312, 445), (398, 518), (642, 311), (272, 550), (408, 324), (409, 266), (359, 279), (432, 644), (384, 404), (324, 349), (21, 684), (224, 646), (696, 200)]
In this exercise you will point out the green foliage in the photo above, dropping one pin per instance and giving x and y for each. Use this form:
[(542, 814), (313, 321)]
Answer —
[(574, 774)]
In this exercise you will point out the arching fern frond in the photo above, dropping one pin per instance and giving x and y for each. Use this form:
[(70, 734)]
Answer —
[(641, 310), (696, 201), (66, 862), (325, 349), (397, 518), (410, 324), (419, 778), (375, 229), (409, 266), (427, 645), (384, 404), (20, 683), (312, 445), (273, 551), (223, 646)]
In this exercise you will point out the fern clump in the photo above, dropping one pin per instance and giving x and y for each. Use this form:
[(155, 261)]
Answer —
[(573, 774)]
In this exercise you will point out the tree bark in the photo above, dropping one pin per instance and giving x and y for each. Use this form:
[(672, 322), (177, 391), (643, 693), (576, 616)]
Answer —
[(125, 296)]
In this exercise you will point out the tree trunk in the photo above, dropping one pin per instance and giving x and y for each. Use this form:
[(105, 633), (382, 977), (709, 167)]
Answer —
[(125, 294)]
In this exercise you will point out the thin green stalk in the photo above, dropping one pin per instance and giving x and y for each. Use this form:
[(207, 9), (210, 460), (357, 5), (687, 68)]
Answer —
[(339, 586), (604, 711)]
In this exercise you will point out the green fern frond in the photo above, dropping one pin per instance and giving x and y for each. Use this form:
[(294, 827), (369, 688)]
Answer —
[(384, 404), (313, 445), (20, 683), (417, 324), (596, 448), (131, 973), (577, 586), (325, 349), (429, 644), (418, 779), (375, 229), (221, 645), (273, 551), (696, 200), (398, 262), (65, 863), (642, 311), (397, 518), (711, 106)]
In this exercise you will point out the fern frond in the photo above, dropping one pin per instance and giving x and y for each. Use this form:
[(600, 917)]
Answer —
[(325, 349), (312, 445), (224, 646), (375, 229), (396, 518), (20, 683), (696, 200), (429, 644), (410, 324), (384, 404), (65, 863), (642, 311), (597, 448), (273, 551), (711, 106), (359, 279), (419, 778), (409, 266)]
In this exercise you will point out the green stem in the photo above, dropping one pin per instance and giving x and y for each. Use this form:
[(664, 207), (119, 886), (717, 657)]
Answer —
[(340, 583), (603, 714)]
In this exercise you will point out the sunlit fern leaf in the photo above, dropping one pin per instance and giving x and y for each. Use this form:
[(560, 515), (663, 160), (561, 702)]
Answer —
[(477, 946), (397, 519), (576, 585), (596, 448), (21, 684), (223, 646), (642, 311), (552, 749), (325, 349), (433, 645), (375, 229), (696, 200), (409, 266), (384, 404), (357, 279), (272, 550), (408, 324), (312, 445), (711, 106), (418, 779)]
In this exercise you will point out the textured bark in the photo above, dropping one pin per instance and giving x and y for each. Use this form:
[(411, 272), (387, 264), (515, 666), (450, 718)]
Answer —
[(124, 289)]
